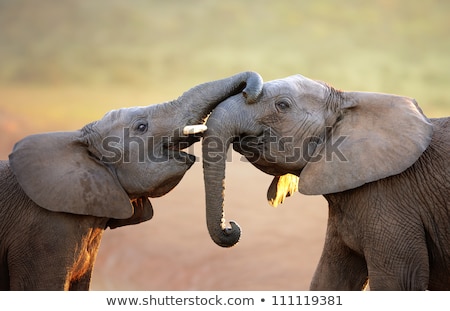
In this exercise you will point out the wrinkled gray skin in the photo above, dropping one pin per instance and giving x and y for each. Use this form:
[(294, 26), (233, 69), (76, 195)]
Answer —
[(382, 166), (60, 191)]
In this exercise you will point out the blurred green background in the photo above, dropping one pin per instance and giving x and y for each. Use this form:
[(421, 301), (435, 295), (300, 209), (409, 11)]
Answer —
[(64, 63), (161, 48), (387, 45)]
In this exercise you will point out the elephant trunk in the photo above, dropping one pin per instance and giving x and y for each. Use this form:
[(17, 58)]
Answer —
[(200, 100), (224, 125)]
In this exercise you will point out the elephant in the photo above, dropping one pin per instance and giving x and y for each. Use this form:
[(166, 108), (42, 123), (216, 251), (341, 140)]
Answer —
[(381, 164), (61, 190)]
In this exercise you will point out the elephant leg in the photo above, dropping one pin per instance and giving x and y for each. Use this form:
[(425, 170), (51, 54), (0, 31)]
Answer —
[(404, 269), (339, 268), (4, 276), (55, 274), (82, 283), (31, 277), (38, 266), (405, 277), (83, 266)]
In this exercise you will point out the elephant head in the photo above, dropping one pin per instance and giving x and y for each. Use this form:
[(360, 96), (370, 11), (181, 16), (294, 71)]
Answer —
[(306, 132), (110, 167)]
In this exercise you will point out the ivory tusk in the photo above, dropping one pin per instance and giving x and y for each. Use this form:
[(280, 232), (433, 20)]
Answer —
[(194, 129)]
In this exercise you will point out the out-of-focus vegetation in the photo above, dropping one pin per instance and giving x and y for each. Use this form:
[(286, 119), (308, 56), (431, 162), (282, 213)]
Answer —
[(68, 62)]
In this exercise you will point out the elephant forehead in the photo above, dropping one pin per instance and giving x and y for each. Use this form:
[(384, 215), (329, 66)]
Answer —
[(122, 117), (125, 114), (295, 85)]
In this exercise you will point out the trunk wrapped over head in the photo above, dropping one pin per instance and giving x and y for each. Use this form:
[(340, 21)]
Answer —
[(200, 100)]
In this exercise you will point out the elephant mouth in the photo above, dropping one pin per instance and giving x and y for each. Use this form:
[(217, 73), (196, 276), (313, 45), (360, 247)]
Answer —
[(165, 187), (261, 151), (175, 145), (250, 146)]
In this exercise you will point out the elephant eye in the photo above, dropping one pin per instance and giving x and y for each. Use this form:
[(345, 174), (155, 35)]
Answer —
[(141, 127), (282, 106)]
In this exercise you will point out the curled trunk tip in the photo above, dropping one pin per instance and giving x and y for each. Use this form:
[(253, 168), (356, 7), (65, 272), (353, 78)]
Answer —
[(253, 88), (228, 237)]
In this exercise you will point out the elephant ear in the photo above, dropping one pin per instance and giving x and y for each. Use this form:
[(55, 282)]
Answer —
[(378, 135), (58, 173), (280, 188)]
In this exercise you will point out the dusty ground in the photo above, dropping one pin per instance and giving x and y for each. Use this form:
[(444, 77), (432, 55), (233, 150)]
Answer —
[(279, 247)]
